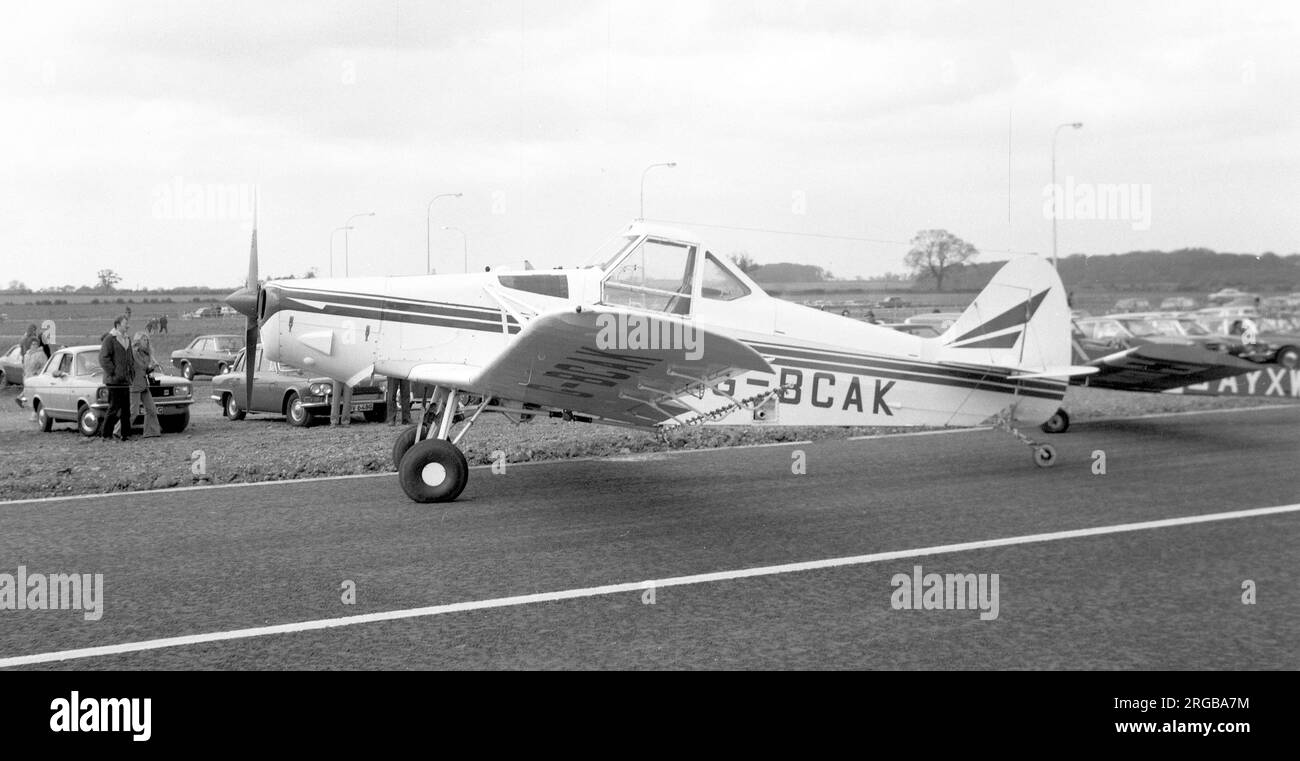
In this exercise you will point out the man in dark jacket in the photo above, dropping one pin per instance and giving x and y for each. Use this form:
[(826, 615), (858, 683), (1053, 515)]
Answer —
[(118, 366)]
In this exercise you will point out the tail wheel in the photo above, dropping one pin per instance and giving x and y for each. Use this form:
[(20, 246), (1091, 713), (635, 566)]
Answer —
[(295, 412), (187, 370), (89, 422), (1044, 456), (405, 440), (233, 410), (43, 420), (1058, 423), (433, 471)]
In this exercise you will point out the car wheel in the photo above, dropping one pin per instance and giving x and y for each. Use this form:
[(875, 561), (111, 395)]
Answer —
[(221, 368), (43, 420), (187, 371), (1289, 357), (89, 422), (232, 408), (405, 440), (295, 412), (433, 471), (174, 423)]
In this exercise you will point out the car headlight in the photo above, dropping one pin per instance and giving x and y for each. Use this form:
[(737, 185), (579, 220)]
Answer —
[(182, 389), (101, 394), (319, 389)]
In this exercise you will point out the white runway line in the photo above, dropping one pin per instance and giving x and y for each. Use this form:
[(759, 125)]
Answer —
[(940, 432), (639, 586)]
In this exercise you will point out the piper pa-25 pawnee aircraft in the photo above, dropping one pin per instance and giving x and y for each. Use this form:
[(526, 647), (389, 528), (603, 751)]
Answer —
[(656, 331)]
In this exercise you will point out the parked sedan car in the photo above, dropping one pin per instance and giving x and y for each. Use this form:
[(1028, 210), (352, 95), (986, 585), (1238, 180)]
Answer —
[(281, 389), (1121, 331), (71, 389), (892, 301), (207, 355)]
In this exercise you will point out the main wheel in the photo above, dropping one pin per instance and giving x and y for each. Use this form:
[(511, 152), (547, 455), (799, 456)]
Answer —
[(1288, 356), (174, 423), (1058, 423), (405, 440), (43, 420), (89, 422), (295, 412), (187, 371), (1044, 456), (233, 410), (433, 471)]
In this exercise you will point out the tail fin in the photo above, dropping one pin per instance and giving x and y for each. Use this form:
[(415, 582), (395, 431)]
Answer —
[(1020, 320)]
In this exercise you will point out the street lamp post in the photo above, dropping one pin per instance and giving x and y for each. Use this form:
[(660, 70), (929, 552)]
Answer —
[(464, 243), (345, 238), (336, 232), (669, 164), (428, 212), (1056, 197)]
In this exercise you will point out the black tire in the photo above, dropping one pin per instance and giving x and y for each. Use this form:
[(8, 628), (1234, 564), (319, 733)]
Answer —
[(231, 409), (44, 422), (174, 423), (405, 440), (221, 369), (187, 371), (433, 471), (1288, 357), (89, 422), (294, 412), (1045, 456), (1058, 423), (4, 381)]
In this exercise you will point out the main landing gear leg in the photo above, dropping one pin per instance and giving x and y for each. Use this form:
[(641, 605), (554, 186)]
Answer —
[(432, 468), (1044, 454)]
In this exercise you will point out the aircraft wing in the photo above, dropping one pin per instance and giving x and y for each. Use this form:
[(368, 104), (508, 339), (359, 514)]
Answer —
[(1160, 367), (597, 362)]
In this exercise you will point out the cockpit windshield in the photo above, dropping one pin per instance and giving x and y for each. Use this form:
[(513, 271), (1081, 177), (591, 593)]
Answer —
[(609, 251)]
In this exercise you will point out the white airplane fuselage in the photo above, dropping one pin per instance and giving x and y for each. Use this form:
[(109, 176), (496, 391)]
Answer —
[(831, 370)]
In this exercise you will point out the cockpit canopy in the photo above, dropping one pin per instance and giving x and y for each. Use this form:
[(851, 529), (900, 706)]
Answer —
[(661, 273)]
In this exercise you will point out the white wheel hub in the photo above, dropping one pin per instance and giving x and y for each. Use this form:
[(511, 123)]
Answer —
[(433, 474)]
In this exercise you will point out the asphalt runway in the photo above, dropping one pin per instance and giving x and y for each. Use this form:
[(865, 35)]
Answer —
[(583, 538)]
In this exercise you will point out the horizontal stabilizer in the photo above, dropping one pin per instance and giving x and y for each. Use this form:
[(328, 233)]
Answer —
[(1069, 371)]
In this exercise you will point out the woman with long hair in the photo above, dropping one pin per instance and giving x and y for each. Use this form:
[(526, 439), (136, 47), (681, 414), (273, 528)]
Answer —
[(140, 393)]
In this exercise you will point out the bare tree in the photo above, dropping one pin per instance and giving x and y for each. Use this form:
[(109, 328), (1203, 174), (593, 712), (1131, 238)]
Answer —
[(934, 252), (108, 280)]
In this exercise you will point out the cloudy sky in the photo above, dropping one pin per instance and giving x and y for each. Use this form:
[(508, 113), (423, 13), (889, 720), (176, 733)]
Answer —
[(132, 132)]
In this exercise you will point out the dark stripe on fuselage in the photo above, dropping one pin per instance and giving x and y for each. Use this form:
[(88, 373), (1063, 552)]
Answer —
[(431, 318), (991, 385), (386, 303), (870, 364)]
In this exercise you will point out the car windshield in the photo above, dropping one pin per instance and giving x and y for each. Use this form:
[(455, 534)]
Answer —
[(1141, 327)]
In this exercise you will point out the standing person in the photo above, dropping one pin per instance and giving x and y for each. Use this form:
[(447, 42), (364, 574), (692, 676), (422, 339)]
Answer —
[(115, 360), (397, 396), (143, 363), (35, 352), (162, 324)]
